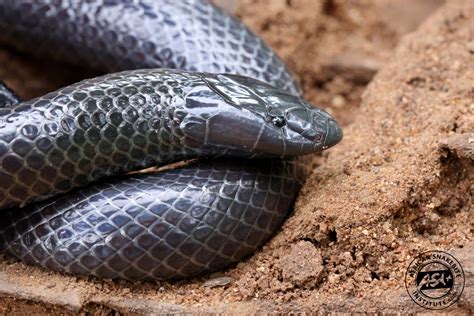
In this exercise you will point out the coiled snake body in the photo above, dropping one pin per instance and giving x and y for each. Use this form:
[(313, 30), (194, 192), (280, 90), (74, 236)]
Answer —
[(175, 223)]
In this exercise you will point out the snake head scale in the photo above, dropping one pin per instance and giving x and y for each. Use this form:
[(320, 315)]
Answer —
[(251, 116)]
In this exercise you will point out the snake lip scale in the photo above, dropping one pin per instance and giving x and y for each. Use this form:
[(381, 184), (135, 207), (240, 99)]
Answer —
[(66, 202)]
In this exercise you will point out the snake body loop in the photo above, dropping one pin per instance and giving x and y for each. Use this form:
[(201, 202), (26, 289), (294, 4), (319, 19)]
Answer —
[(172, 224), (115, 35), (167, 225)]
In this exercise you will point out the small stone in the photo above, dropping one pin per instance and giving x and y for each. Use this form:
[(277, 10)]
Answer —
[(125, 290), (303, 265), (338, 101), (333, 278), (460, 145), (222, 281), (357, 68)]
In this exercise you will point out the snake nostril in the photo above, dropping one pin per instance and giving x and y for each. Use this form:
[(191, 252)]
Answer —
[(312, 135)]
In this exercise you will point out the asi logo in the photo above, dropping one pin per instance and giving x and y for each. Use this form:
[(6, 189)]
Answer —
[(434, 280)]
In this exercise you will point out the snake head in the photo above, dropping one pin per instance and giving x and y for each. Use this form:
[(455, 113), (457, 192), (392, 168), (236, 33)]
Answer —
[(245, 114)]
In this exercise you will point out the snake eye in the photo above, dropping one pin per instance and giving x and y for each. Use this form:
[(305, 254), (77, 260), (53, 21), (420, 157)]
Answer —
[(278, 121)]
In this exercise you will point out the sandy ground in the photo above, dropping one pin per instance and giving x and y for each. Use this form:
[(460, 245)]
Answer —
[(401, 182)]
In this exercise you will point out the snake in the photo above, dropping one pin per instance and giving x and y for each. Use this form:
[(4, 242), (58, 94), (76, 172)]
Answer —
[(184, 83)]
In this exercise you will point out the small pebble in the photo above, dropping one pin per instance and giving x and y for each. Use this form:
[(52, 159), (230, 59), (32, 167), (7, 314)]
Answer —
[(222, 281), (338, 101)]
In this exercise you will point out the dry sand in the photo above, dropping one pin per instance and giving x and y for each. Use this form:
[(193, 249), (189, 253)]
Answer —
[(401, 182)]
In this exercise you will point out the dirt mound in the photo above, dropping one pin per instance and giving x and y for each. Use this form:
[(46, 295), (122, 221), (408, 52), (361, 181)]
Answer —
[(335, 47), (401, 182)]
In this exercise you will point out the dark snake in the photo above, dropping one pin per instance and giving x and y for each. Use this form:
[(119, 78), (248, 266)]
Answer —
[(57, 150)]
